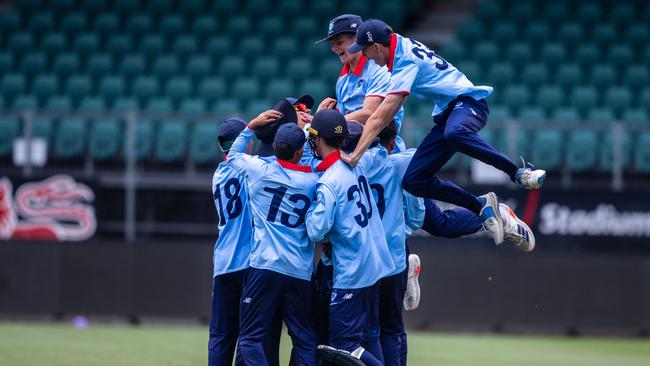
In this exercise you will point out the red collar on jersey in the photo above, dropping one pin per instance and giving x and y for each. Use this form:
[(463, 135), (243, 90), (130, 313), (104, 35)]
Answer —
[(391, 55), (293, 166), (329, 161), (357, 70)]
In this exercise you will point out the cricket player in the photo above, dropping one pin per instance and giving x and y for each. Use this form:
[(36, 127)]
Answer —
[(459, 113), (281, 259), (345, 211), (362, 84)]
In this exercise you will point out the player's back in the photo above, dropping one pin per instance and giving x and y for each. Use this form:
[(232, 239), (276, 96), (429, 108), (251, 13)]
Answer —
[(360, 254), (233, 246), (414, 209)]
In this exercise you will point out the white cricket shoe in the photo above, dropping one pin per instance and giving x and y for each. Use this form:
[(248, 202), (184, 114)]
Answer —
[(529, 177), (412, 295), (516, 231), (341, 357), (490, 216)]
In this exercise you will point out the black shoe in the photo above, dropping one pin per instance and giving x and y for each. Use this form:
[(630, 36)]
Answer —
[(338, 356)]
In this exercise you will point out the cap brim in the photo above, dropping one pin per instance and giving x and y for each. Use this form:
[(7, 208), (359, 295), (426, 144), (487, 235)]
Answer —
[(355, 48), (265, 149), (306, 100), (334, 35)]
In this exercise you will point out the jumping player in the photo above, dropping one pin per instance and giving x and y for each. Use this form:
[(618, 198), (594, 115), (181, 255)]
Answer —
[(459, 113)]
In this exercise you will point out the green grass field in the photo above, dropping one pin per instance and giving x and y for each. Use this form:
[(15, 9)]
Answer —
[(28, 344)]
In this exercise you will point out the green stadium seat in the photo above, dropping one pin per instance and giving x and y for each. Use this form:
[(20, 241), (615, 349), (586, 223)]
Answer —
[(10, 21), (86, 43), (53, 42), (607, 151), (12, 84), (272, 26), (279, 88), (642, 153), (33, 63), (251, 47), (62, 5), (515, 96), (623, 13), (550, 97), (10, 127), (393, 12), (620, 54), (178, 87), (45, 85), (227, 107), (92, 104), (286, 47), (171, 141), (151, 44), (43, 127), (66, 64), (604, 34), (316, 88), (40, 22), (635, 116), (588, 12), (73, 23), (532, 114), (145, 87), (584, 98), (453, 51), (603, 75), (29, 6), (58, 103), (330, 69), (192, 6), (547, 147), (581, 150), (139, 23), (78, 86), (132, 65), (232, 66), (204, 25), (105, 139), (25, 102), (165, 66), (586, 53), (643, 97), (319, 52), (553, 53), (218, 46), (535, 74), (471, 69), (504, 30), (6, 63), (144, 135), (307, 28), (125, 104), (198, 66), (299, 68), (618, 99), (211, 88), (92, 6), (185, 45), (291, 7), (568, 75), (159, 6), (489, 10), (119, 44), (570, 33), (238, 25), (355, 7), (498, 114), (636, 76), (99, 64), (471, 31), (326, 9), (226, 6), (522, 144), (486, 51), (106, 23), (256, 106), (600, 115), (246, 88), (537, 32), (192, 106), (159, 105), (257, 7), (522, 11), (111, 87), (265, 68), (637, 34), (70, 138), (565, 115), (203, 143)]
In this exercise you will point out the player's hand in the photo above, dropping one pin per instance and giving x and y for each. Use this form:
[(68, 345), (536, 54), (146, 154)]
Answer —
[(304, 118), (327, 103), (350, 159), (265, 118)]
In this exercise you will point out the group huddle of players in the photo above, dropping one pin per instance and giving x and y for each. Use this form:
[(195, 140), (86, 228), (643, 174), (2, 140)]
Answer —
[(342, 177)]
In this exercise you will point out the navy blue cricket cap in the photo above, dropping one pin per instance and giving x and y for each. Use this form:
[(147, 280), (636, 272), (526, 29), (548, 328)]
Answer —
[(266, 133), (306, 99), (355, 131), (291, 135), (228, 132), (370, 32), (329, 123), (346, 23)]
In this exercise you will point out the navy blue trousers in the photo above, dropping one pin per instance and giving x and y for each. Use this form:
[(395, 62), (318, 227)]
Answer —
[(449, 223), (455, 130), (224, 322), (391, 304), (265, 293)]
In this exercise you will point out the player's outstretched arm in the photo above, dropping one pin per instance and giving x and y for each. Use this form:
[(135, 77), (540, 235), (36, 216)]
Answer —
[(370, 104), (377, 121), (237, 156)]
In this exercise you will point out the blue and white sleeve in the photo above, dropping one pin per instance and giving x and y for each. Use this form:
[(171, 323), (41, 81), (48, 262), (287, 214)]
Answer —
[(377, 83), (414, 211), (244, 164), (322, 213), (402, 77)]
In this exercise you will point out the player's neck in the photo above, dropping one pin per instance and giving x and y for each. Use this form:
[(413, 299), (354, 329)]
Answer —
[(354, 62)]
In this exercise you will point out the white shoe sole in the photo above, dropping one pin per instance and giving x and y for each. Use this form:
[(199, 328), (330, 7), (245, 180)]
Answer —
[(412, 294), (493, 202)]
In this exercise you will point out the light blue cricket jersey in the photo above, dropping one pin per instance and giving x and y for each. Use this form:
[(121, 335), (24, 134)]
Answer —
[(367, 79), (414, 209), (421, 72), (345, 211), (386, 186), (233, 247), (280, 195)]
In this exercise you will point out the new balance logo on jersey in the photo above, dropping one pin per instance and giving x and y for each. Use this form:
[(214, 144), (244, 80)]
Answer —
[(458, 105), (247, 300), (347, 296)]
